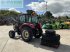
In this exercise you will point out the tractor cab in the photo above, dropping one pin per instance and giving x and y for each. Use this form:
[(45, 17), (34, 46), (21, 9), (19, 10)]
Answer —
[(27, 18)]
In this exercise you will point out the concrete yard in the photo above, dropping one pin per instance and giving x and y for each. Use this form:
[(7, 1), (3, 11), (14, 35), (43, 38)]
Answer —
[(18, 45)]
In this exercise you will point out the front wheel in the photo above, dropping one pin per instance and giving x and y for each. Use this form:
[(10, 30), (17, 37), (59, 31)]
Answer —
[(27, 34), (11, 34)]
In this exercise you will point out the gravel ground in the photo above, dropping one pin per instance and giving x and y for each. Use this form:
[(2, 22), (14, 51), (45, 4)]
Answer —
[(18, 45)]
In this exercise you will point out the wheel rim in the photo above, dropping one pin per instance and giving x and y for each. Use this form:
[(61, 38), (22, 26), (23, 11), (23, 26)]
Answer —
[(25, 34)]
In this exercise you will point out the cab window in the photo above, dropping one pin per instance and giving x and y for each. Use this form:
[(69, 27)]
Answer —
[(22, 18)]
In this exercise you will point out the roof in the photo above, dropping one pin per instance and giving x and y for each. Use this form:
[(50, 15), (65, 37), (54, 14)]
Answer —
[(24, 14)]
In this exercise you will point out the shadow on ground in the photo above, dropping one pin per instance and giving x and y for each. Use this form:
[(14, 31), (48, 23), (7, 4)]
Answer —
[(36, 43), (62, 48)]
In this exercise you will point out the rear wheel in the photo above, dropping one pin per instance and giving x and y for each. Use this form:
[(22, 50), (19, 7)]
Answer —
[(27, 34), (11, 34)]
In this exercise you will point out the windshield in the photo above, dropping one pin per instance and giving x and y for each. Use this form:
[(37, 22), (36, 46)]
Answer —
[(28, 18), (34, 19)]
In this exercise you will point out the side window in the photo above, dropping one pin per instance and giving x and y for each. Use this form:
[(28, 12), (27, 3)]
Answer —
[(22, 18), (34, 19), (30, 19)]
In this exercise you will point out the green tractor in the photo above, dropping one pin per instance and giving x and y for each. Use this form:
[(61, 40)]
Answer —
[(47, 25)]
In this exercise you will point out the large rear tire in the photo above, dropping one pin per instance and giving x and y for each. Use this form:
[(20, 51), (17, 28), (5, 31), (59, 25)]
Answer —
[(27, 34), (11, 34)]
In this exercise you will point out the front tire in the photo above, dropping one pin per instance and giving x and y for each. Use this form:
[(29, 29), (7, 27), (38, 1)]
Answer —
[(27, 34), (11, 34)]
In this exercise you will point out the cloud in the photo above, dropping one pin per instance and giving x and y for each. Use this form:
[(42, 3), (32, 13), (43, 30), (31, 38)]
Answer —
[(57, 7), (13, 9), (38, 6)]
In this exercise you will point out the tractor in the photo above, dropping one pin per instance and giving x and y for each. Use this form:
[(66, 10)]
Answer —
[(27, 26)]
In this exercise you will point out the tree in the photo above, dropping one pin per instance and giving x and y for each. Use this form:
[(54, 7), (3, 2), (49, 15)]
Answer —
[(67, 17), (48, 14), (6, 14)]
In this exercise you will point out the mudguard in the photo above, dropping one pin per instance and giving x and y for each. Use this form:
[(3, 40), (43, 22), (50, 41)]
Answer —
[(28, 25)]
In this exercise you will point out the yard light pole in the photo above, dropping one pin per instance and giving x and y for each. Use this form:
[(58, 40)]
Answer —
[(46, 6)]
